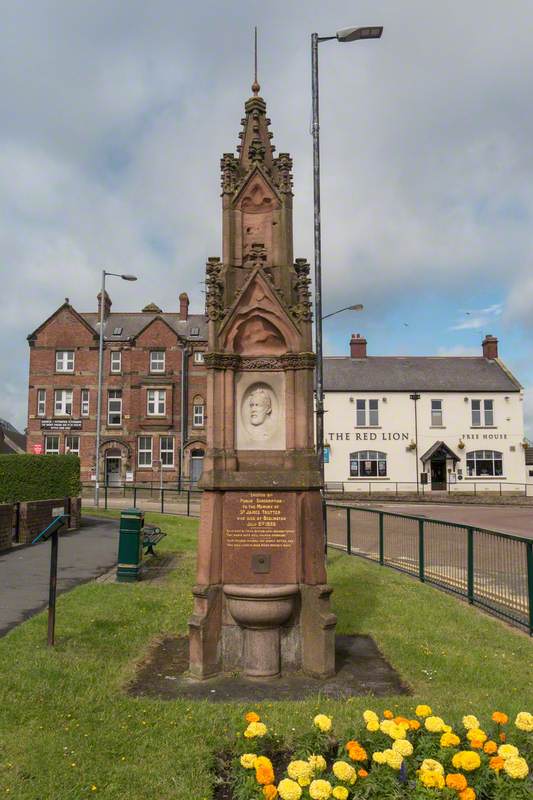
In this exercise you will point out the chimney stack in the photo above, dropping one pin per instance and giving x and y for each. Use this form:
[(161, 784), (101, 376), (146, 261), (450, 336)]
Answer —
[(184, 306), (490, 346), (107, 304), (357, 346)]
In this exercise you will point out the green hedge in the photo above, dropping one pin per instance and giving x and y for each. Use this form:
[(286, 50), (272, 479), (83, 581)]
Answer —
[(30, 477)]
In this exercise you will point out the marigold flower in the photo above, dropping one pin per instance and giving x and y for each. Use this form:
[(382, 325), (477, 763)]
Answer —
[(362, 773), (403, 747), (340, 793), (433, 780), (467, 794), (401, 721), (467, 760), (385, 725), (449, 740), (500, 718), (251, 716), (255, 729), (388, 714), (300, 771), (431, 765), (470, 721), (393, 759), (270, 792), (289, 790), (322, 722), (524, 721), (476, 734), (434, 724), (516, 767), (496, 763), (414, 724), (357, 753), (264, 772), (379, 757), (423, 711), (372, 726), (344, 772), (248, 760), (502, 737), (476, 744), (490, 747), (320, 790), (507, 751), (318, 763), (456, 781), (370, 716)]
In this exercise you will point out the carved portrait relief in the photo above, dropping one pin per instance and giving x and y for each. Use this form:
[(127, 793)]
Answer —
[(260, 418)]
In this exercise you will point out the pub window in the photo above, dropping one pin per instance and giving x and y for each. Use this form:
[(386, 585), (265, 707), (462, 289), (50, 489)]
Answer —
[(366, 413), (199, 357), (51, 445), (198, 412), (156, 402), (116, 361), (157, 361), (368, 464), (166, 451), (480, 463), (41, 402), (482, 413), (436, 412), (145, 451), (65, 361), (85, 402), (63, 402), (114, 407), (72, 445)]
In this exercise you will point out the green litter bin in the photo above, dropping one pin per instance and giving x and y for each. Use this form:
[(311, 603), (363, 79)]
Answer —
[(130, 545)]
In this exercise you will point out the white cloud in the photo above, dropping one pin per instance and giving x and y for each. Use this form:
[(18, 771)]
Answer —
[(459, 350)]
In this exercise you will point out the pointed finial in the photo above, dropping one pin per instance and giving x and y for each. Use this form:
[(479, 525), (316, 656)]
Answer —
[(255, 85)]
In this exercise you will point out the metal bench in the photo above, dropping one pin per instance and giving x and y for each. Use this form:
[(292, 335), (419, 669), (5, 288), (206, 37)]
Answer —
[(151, 536)]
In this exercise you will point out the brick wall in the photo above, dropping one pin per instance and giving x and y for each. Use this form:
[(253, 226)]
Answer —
[(6, 525), (37, 514)]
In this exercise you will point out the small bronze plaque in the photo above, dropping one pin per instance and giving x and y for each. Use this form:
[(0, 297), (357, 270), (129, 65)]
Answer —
[(261, 562)]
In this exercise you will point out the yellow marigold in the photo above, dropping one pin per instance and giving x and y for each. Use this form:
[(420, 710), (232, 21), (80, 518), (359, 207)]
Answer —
[(446, 728), (490, 747), (467, 760), (289, 790), (516, 767), (470, 721), (362, 773), (388, 714), (397, 731), (434, 724), (431, 765), (524, 721), (385, 724), (467, 794), (433, 780), (248, 760), (456, 781), (369, 715), (264, 772), (393, 759), (318, 763), (496, 763), (476, 734), (255, 729), (322, 722), (379, 757), (300, 771), (507, 751), (320, 790), (403, 747), (414, 724), (449, 740), (372, 726), (344, 772), (340, 793), (270, 792), (500, 717), (251, 716), (423, 711)]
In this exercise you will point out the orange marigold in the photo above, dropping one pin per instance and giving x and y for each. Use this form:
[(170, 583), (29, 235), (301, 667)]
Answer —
[(362, 773), (414, 724), (500, 718), (264, 774), (476, 744), (388, 714), (402, 721), (467, 794), (357, 753), (496, 763), (503, 737), (490, 747), (456, 781), (270, 792), (351, 743), (251, 716)]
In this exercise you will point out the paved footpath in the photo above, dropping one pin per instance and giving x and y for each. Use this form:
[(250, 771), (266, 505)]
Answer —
[(25, 571)]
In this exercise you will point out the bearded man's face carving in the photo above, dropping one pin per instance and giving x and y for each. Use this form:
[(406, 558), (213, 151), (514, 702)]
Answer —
[(260, 406)]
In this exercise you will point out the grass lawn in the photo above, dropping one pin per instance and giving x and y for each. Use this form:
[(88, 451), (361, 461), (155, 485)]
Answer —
[(67, 730)]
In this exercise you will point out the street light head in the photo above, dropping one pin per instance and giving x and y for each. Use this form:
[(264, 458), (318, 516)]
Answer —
[(357, 307), (129, 277), (352, 34)]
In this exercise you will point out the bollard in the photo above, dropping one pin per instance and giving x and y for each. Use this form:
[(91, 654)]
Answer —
[(130, 545)]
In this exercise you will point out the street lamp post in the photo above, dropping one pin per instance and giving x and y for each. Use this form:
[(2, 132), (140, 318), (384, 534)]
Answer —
[(100, 376), (356, 307), (346, 35)]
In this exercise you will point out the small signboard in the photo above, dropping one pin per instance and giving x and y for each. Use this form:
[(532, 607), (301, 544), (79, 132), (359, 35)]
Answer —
[(63, 424), (326, 455), (37, 449), (129, 477)]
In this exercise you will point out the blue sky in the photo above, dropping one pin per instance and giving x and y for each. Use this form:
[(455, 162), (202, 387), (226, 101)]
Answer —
[(115, 115)]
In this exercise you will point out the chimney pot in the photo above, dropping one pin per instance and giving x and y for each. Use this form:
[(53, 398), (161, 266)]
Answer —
[(107, 304), (490, 346), (357, 346), (184, 306)]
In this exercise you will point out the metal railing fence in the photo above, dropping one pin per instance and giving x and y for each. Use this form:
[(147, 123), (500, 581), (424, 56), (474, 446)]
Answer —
[(465, 487), (491, 569), (153, 498)]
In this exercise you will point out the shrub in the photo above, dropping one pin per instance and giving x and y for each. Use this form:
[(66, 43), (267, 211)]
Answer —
[(31, 477)]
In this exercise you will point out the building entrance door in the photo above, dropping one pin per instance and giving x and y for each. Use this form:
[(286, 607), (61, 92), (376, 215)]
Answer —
[(438, 475), (113, 466), (197, 465)]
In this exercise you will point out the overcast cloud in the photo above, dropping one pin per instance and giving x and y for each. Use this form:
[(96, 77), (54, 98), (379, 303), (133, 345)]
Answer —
[(114, 117)]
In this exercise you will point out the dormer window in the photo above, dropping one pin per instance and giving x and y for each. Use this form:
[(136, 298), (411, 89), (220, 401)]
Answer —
[(117, 331), (195, 331)]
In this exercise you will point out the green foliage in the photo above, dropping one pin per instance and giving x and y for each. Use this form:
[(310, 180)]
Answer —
[(31, 477)]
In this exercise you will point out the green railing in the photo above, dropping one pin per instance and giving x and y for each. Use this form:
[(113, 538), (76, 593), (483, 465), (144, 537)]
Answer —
[(490, 569)]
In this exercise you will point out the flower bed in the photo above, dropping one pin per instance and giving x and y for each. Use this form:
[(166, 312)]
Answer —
[(420, 757)]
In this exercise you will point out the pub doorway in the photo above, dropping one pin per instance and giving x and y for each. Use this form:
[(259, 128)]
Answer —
[(438, 474)]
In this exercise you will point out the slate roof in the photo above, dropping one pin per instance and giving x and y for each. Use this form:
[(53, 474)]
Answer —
[(11, 440), (134, 322), (420, 373)]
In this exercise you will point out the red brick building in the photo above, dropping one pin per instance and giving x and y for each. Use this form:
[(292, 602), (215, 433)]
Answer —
[(142, 393)]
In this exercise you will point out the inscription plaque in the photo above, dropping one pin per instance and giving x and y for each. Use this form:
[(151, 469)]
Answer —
[(259, 543)]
